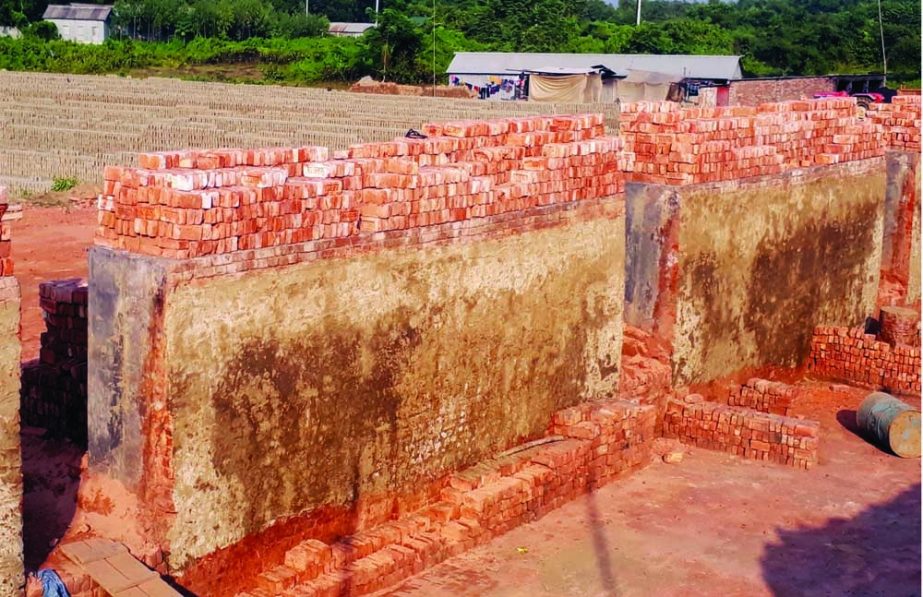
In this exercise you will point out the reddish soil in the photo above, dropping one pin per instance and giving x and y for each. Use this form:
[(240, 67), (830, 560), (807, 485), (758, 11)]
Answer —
[(718, 525), (49, 243)]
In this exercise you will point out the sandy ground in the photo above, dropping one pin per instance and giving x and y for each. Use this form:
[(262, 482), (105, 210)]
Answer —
[(717, 525), (49, 243)]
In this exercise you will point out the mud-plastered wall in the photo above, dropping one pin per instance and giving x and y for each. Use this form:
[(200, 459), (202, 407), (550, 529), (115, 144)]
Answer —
[(275, 334), (12, 576), (379, 372), (793, 250)]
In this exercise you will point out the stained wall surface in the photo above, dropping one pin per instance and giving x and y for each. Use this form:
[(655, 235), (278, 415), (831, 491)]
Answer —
[(12, 576), (324, 382), (794, 251)]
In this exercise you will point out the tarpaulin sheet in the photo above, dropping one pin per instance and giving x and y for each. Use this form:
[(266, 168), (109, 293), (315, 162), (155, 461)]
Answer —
[(573, 89)]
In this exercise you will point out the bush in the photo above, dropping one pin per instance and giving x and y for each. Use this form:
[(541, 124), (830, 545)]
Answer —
[(44, 30), (63, 184)]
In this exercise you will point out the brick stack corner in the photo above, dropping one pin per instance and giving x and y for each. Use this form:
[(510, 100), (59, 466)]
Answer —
[(850, 354), (54, 387)]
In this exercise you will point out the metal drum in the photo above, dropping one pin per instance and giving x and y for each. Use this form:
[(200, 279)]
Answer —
[(891, 424)]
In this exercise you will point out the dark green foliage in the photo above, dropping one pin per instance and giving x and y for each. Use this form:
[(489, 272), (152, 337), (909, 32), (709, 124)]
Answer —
[(773, 36)]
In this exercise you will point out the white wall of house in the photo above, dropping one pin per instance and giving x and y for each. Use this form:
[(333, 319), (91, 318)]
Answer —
[(85, 32)]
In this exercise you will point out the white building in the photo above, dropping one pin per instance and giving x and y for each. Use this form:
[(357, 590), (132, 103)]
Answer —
[(83, 23)]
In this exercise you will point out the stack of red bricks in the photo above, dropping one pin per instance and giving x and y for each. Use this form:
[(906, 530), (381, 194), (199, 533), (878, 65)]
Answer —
[(763, 395), (54, 388), (6, 215), (591, 444), (189, 203), (899, 122), (675, 145), (851, 355), (742, 431)]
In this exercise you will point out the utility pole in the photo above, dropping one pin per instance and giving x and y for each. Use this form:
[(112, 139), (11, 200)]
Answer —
[(881, 32), (307, 8), (638, 19)]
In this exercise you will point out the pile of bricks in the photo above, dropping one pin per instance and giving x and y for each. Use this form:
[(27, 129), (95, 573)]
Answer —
[(742, 431), (592, 444), (849, 354), (54, 388), (189, 204), (899, 122), (674, 145), (763, 395), (8, 213)]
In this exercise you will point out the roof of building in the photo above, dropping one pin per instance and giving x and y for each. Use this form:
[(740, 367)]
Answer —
[(681, 65), (350, 28), (78, 12)]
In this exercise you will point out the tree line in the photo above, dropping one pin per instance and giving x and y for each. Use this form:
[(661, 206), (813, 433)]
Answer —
[(774, 37)]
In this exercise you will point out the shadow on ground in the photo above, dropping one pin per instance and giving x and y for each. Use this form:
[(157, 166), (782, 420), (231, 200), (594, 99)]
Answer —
[(51, 476), (877, 552)]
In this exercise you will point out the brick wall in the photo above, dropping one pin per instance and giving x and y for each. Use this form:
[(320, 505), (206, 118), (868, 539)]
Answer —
[(760, 91), (416, 274), (763, 395), (600, 443), (427, 278), (54, 387), (677, 146), (851, 355), (7, 214), (899, 122), (189, 204), (12, 575), (742, 431)]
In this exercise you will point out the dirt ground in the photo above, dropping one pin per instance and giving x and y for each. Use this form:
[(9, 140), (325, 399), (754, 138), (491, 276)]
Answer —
[(49, 243), (717, 525)]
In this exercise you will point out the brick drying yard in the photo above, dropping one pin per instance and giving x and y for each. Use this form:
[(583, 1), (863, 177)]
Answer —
[(589, 354)]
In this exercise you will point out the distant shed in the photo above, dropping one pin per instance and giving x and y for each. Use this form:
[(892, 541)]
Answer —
[(83, 23), (500, 74), (349, 29)]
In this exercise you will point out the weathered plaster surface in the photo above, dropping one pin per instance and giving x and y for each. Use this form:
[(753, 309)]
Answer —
[(12, 577), (317, 383), (125, 301), (913, 281), (762, 264), (900, 255)]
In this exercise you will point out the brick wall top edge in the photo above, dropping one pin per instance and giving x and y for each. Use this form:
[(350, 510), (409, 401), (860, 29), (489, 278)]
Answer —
[(192, 203), (199, 202), (201, 267), (6, 216)]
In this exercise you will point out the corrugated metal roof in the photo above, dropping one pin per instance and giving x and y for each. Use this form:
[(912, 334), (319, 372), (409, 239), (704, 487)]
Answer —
[(680, 65), (78, 12), (350, 28)]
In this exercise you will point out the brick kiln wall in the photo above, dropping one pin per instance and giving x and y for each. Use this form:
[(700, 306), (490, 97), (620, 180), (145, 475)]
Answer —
[(742, 431), (452, 294), (859, 358), (12, 574), (415, 274), (760, 168), (760, 91), (54, 387)]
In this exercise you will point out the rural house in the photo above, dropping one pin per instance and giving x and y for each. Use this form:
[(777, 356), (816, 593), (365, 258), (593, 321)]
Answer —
[(83, 23)]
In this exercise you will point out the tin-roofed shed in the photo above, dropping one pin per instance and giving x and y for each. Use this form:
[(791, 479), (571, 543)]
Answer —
[(83, 23)]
